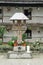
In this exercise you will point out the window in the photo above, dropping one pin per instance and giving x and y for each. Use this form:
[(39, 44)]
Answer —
[(1, 13), (28, 33), (28, 13)]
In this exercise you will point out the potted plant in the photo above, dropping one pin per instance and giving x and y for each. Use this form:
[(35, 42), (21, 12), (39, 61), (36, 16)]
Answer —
[(15, 41), (23, 43)]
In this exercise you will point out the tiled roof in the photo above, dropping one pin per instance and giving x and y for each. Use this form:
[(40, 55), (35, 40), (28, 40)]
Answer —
[(21, 3), (21, 0)]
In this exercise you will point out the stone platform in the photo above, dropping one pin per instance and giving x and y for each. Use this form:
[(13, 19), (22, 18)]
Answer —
[(18, 55)]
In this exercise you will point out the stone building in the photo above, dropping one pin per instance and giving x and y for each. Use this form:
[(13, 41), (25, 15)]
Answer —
[(33, 9)]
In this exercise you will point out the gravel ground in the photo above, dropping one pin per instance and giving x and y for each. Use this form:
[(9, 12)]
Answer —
[(36, 60)]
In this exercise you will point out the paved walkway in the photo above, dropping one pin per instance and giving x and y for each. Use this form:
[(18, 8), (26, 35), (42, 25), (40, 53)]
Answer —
[(37, 60)]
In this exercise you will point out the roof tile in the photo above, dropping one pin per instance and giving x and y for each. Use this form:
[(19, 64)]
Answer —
[(22, 0)]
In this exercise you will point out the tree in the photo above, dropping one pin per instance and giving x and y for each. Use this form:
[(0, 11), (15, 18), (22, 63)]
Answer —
[(2, 30)]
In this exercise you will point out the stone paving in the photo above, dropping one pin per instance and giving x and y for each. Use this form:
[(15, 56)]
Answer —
[(36, 60)]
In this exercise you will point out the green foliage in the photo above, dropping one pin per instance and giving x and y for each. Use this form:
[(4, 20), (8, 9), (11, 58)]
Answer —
[(10, 43), (27, 43), (0, 42), (2, 30), (5, 48), (24, 36), (22, 42)]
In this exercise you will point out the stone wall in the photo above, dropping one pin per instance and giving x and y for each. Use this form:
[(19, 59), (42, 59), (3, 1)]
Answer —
[(37, 17)]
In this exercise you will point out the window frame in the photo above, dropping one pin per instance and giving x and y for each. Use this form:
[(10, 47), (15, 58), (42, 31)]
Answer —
[(29, 13), (1, 13)]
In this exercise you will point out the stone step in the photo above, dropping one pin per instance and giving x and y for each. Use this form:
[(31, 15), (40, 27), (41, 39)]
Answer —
[(19, 55)]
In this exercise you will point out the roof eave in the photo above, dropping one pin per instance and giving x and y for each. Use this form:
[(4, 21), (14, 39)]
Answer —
[(33, 4)]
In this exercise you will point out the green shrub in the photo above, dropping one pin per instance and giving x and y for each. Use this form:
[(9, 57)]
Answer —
[(24, 36), (2, 30), (0, 42), (10, 43), (29, 43)]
